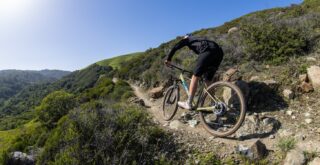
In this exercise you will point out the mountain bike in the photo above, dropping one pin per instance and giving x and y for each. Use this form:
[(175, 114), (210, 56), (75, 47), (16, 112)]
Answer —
[(221, 105)]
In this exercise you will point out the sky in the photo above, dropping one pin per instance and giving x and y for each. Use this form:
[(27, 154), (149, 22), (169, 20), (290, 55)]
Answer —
[(72, 34)]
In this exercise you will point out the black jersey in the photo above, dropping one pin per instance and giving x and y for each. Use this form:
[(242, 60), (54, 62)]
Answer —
[(196, 44)]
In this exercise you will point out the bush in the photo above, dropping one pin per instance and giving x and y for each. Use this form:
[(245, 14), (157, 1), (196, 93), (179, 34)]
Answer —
[(54, 106), (268, 42), (98, 134)]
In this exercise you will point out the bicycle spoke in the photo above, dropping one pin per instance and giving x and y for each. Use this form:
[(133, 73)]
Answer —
[(226, 106)]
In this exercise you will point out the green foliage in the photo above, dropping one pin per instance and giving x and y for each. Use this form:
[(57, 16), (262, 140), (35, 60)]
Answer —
[(286, 144), (63, 153), (6, 140), (29, 136), (209, 158), (295, 11), (102, 89), (81, 80), (54, 106), (21, 106), (273, 43), (19, 138), (13, 81), (12, 122), (121, 87), (117, 61), (106, 89), (303, 68), (311, 4), (126, 133)]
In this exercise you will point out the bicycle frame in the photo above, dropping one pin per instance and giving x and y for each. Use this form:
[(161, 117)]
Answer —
[(186, 89)]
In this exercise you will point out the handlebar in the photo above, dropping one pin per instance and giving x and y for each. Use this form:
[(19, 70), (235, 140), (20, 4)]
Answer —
[(181, 69)]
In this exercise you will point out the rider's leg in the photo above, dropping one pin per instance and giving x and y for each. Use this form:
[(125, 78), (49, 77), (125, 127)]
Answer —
[(193, 88)]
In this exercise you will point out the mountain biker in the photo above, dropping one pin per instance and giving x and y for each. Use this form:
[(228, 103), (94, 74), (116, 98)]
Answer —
[(209, 59)]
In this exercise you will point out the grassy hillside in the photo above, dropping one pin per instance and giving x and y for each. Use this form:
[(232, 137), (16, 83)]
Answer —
[(270, 37), (85, 109), (116, 62), (7, 138), (69, 129)]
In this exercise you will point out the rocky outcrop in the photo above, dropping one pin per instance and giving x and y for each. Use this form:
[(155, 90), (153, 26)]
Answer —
[(305, 87), (136, 100), (231, 74), (303, 78), (228, 93), (115, 80), (288, 94), (315, 161), (311, 59), (257, 150), (20, 158), (272, 83), (232, 30), (314, 76), (175, 124), (156, 92), (295, 157)]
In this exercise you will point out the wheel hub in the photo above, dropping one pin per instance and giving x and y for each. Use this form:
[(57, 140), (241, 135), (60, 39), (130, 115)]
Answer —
[(219, 108)]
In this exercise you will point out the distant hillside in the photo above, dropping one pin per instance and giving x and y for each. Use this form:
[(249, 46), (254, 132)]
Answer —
[(21, 105), (54, 73), (116, 62), (13, 81)]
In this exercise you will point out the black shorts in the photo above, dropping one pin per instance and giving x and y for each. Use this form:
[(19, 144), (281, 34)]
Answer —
[(208, 63)]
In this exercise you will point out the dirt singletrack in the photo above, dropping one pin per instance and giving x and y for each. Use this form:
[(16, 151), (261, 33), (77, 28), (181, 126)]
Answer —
[(196, 137)]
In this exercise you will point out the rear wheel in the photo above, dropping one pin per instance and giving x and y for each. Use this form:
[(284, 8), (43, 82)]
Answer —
[(227, 109), (170, 102)]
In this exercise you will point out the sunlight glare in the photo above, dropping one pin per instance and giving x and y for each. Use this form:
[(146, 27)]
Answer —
[(16, 9)]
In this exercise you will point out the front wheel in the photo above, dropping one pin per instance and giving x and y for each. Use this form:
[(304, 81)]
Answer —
[(170, 102), (227, 109)]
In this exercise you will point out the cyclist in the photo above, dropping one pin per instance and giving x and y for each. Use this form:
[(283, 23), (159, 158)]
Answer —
[(210, 57)]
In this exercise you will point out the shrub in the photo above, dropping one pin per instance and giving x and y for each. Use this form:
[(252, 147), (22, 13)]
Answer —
[(54, 106), (106, 135), (268, 42)]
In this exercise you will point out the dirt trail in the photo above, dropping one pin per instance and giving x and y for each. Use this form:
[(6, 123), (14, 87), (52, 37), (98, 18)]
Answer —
[(195, 137)]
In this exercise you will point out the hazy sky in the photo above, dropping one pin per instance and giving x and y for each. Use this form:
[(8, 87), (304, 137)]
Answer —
[(71, 34)]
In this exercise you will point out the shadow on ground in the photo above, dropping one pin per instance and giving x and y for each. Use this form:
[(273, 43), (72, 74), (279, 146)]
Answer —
[(265, 98), (257, 128)]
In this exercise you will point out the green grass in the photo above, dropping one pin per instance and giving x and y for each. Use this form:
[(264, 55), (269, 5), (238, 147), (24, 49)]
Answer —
[(7, 137), (116, 61), (286, 144)]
